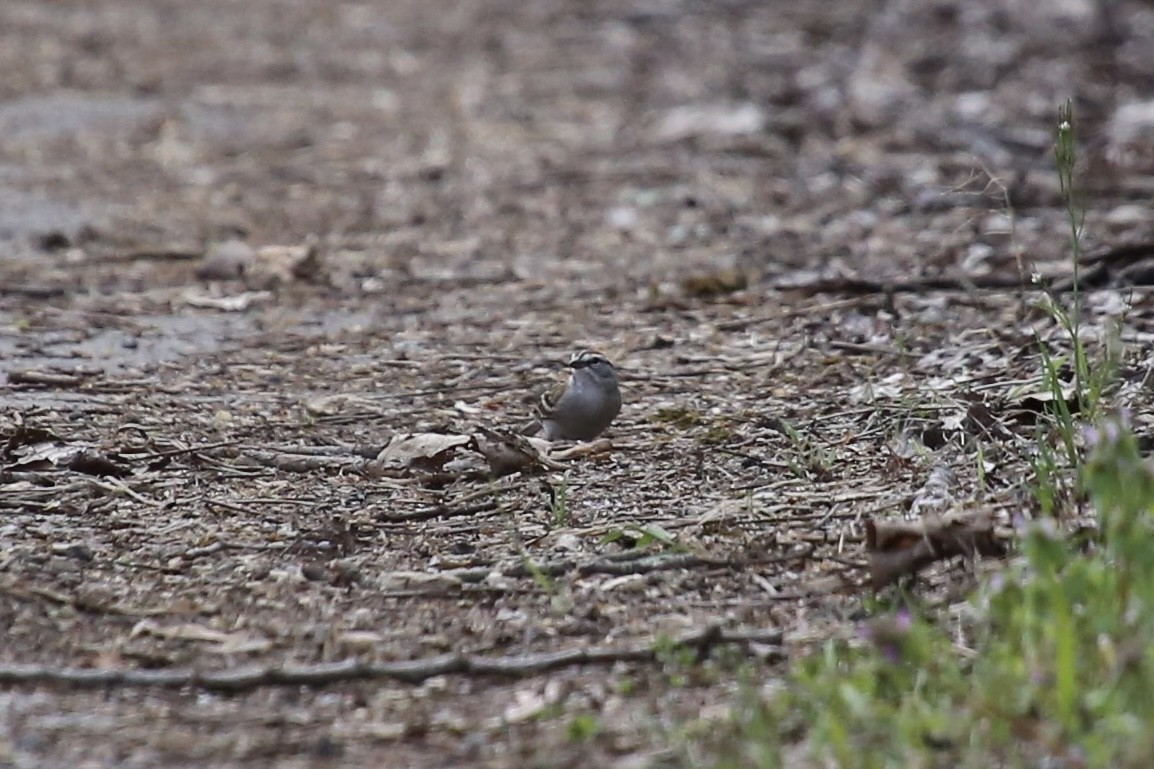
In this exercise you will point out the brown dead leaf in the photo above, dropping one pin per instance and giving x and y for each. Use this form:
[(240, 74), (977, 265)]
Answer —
[(276, 266), (714, 284), (55, 455), (897, 548), (423, 450)]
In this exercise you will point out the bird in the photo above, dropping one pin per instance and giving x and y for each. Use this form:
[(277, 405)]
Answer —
[(581, 408)]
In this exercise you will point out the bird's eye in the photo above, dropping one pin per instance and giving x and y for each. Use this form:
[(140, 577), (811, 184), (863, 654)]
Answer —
[(586, 359)]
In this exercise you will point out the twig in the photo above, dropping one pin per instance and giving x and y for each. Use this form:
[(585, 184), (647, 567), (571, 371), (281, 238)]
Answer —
[(218, 546), (119, 487), (163, 253), (646, 564), (440, 511), (412, 671), (346, 452), (34, 378), (186, 450), (868, 349), (32, 291), (825, 308), (301, 463)]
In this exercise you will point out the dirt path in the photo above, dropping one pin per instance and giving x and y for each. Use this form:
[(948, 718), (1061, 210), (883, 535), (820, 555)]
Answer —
[(482, 187)]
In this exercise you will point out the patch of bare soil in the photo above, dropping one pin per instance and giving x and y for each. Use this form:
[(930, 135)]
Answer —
[(245, 246)]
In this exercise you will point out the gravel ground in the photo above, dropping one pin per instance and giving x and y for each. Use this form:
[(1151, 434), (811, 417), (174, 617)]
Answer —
[(246, 246)]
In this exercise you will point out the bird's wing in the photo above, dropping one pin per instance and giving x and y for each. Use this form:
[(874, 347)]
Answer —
[(548, 400)]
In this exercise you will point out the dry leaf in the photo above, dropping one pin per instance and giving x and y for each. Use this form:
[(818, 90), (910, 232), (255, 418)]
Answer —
[(419, 581), (409, 448), (714, 284), (237, 303), (275, 266), (897, 548)]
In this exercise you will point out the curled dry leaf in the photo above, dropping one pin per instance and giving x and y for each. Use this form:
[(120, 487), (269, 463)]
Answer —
[(44, 456), (25, 435), (422, 449), (715, 284), (897, 548), (980, 420), (90, 462), (274, 266), (54, 455), (1029, 403)]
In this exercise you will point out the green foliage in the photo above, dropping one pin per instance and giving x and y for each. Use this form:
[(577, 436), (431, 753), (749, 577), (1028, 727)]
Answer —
[(1059, 663), (809, 458), (1052, 486), (677, 660), (1078, 624), (538, 575), (1091, 372), (1060, 410), (642, 536), (582, 727), (1080, 401), (1066, 160), (559, 512), (867, 708)]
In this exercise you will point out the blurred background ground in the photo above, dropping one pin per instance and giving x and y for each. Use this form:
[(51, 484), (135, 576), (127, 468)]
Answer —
[(800, 229)]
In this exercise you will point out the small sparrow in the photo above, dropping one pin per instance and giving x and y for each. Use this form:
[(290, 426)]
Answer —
[(581, 408)]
